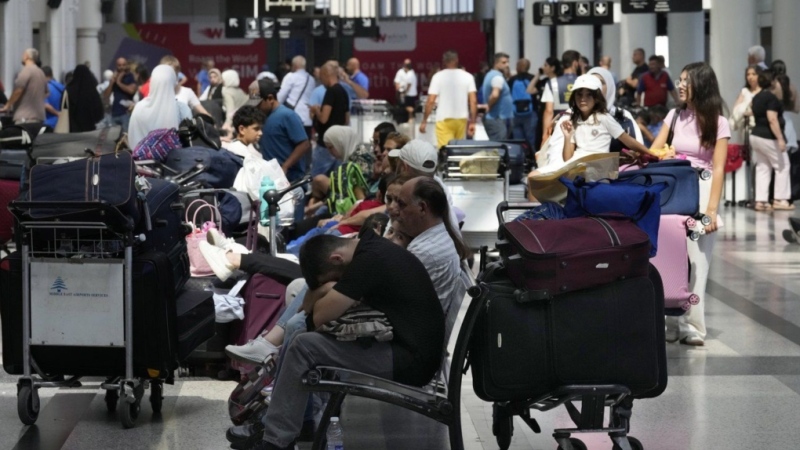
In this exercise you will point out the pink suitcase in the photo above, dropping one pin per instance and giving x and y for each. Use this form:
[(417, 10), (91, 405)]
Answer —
[(672, 261)]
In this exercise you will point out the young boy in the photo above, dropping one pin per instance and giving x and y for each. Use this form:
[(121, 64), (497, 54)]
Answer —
[(247, 123)]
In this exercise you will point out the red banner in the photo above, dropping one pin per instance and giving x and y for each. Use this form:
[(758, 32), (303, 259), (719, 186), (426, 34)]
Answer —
[(422, 42)]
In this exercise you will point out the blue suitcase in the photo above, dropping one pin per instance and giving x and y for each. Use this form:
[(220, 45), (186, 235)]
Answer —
[(682, 194)]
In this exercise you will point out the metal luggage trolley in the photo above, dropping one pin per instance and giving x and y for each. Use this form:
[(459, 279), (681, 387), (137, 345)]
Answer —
[(67, 266), (368, 114), (477, 194)]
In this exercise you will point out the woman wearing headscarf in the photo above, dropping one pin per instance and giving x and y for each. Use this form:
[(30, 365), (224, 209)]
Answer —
[(233, 97), (83, 102), (345, 145), (622, 116), (214, 89), (159, 110)]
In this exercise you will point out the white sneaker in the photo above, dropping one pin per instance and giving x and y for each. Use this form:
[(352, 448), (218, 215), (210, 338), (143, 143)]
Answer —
[(254, 352), (215, 238), (217, 260)]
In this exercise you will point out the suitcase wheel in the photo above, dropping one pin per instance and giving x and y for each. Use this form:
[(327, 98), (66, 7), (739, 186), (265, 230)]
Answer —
[(128, 409), (28, 404), (686, 306), (635, 444), (156, 396), (578, 444), (691, 223), (502, 425), (112, 397), (694, 299)]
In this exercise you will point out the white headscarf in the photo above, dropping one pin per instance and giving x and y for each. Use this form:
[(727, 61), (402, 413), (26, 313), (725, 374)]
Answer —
[(344, 139), (159, 110), (230, 78), (611, 88)]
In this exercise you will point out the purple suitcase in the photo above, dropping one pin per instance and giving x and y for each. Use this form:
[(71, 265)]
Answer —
[(672, 262), (550, 257)]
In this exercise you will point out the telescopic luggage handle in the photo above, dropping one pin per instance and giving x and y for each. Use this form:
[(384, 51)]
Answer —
[(508, 206)]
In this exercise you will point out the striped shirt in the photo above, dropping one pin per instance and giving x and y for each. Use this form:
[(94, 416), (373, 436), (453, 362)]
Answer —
[(435, 249)]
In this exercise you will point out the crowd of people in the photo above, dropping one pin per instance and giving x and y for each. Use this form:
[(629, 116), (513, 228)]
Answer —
[(405, 256)]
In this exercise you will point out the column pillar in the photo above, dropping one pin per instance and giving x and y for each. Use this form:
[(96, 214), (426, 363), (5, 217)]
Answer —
[(16, 35), (89, 23), (576, 37), (506, 31), (636, 31), (154, 11), (118, 15), (686, 40), (785, 13), (734, 30), (537, 39), (63, 38), (611, 42), (484, 9)]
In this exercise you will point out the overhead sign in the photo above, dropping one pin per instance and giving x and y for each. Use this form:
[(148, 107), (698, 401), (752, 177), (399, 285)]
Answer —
[(573, 13), (663, 6), (284, 27)]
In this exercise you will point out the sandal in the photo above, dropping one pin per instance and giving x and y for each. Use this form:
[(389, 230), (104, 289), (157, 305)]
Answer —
[(782, 205), (762, 206)]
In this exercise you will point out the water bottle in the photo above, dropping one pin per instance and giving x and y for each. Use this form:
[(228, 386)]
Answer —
[(266, 185), (335, 435)]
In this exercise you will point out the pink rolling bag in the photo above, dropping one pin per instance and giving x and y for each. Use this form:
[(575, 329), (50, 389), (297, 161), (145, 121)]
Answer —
[(672, 262)]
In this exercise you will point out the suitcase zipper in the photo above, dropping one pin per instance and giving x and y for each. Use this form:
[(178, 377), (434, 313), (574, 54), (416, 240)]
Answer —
[(612, 235)]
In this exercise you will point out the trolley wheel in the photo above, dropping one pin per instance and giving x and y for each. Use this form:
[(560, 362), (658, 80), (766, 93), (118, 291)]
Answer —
[(705, 220), (502, 426), (577, 444), (28, 405), (156, 396), (129, 412), (635, 444), (112, 398)]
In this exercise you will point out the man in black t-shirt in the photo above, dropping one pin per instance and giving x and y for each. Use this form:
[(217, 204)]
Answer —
[(628, 86), (335, 105), (340, 272)]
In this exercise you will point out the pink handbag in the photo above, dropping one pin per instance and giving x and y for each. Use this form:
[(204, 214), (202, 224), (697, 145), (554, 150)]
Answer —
[(198, 266)]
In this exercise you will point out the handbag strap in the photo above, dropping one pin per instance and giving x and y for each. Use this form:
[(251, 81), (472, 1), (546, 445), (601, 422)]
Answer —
[(214, 209), (64, 101), (189, 208), (675, 113)]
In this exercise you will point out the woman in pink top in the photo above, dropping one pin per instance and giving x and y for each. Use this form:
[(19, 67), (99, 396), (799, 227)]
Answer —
[(701, 135)]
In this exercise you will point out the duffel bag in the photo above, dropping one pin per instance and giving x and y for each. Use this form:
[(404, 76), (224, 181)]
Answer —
[(550, 257), (199, 130), (108, 178), (51, 147), (219, 167), (523, 349), (614, 198), (681, 194), (22, 136)]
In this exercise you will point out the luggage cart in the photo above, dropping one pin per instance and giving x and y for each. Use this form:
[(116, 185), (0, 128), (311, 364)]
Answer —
[(477, 194), (68, 265), (368, 114)]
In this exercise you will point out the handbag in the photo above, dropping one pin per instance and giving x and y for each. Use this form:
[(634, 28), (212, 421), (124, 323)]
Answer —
[(641, 202), (198, 266), (62, 126)]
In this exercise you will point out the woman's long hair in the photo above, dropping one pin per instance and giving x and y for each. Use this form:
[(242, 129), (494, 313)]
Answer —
[(703, 93), (599, 105), (757, 69), (786, 89)]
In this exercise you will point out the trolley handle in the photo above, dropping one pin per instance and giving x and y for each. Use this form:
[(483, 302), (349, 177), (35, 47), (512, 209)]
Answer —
[(19, 208), (507, 206), (505, 158), (273, 197)]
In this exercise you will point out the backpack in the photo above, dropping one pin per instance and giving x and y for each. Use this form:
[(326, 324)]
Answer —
[(627, 124), (157, 145), (199, 130), (344, 180), (523, 105)]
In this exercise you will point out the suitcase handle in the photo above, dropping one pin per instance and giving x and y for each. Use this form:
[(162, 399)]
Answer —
[(508, 206), (18, 209), (525, 296)]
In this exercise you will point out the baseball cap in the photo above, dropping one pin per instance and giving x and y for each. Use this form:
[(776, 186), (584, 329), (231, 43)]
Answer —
[(418, 154), (587, 82), (267, 87)]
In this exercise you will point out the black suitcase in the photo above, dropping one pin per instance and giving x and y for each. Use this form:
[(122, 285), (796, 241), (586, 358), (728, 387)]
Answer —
[(155, 338), (613, 334), (516, 154), (166, 217), (213, 168), (195, 320), (199, 130), (14, 163), (22, 136)]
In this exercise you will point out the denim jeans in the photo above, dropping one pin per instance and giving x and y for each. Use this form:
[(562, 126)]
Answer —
[(122, 120), (525, 128), (322, 162), (497, 129)]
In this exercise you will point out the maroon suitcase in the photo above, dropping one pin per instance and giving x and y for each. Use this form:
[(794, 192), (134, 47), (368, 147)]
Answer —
[(9, 191), (550, 257)]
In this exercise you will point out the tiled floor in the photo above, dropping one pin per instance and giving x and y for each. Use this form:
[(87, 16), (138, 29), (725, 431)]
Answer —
[(740, 391)]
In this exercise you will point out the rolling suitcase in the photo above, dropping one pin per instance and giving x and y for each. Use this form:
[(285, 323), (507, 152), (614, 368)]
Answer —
[(523, 349), (22, 136), (166, 217), (550, 257), (194, 320), (9, 191), (209, 167), (672, 263), (264, 302)]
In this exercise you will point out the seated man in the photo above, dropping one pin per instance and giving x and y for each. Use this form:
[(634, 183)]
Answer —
[(383, 276)]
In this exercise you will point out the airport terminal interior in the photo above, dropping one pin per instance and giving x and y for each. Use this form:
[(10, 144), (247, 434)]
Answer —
[(736, 387)]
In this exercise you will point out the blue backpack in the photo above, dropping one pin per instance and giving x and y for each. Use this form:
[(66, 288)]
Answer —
[(523, 105)]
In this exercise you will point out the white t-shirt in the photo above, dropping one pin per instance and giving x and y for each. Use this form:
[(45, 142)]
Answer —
[(237, 147), (452, 86), (407, 79), (594, 135), (188, 96)]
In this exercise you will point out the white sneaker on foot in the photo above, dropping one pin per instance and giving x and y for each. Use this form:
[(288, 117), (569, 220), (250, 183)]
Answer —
[(217, 260), (693, 340), (215, 238), (255, 352)]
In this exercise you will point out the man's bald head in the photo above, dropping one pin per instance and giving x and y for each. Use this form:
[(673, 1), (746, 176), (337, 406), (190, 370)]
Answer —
[(353, 66)]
